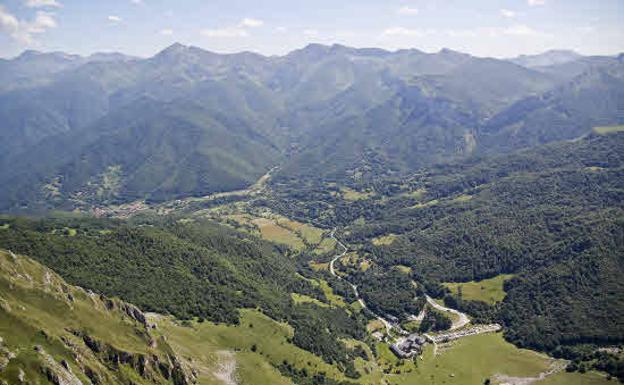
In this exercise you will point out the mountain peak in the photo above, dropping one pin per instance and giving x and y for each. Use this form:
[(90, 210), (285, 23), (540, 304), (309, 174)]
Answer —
[(547, 58), (29, 54), (175, 48)]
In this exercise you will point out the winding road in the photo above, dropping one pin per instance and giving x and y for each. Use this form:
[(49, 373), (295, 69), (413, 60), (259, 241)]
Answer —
[(462, 319), (459, 322), (332, 270)]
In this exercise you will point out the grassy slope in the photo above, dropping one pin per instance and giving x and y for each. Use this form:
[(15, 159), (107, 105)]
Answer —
[(563, 378), (272, 227), (36, 310), (469, 362), (205, 340)]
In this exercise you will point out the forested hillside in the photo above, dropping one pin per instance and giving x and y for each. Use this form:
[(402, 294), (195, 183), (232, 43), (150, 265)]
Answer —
[(550, 215)]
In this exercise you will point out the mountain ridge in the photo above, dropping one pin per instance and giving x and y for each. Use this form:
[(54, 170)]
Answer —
[(403, 109)]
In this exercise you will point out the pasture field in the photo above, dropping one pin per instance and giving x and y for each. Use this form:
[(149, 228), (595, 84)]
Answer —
[(333, 299), (276, 228), (384, 240), (469, 361), (207, 342), (426, 204), (302, 298), (273, 232), (605, 130), (488, 290), (564, 378), (403, 269), (352, 195)]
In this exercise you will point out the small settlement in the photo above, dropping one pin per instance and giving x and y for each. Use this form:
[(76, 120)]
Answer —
[(409, 347)]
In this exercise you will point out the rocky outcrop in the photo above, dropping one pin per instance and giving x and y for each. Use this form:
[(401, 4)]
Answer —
[(130, 310), (147, 366), (56, 373), (5, 355)]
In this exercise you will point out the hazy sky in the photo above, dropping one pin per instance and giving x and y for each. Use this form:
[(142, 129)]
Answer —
[(497, 28)]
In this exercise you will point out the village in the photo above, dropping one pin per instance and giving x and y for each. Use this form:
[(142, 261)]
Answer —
[(413, 344)]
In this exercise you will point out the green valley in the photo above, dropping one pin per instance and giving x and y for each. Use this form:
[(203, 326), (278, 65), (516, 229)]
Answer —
[(327, 216)]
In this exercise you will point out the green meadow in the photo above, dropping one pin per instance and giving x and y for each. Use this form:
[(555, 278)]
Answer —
[(488, 290)]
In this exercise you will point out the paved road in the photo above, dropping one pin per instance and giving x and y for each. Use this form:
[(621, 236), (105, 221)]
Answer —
[(462, 319)]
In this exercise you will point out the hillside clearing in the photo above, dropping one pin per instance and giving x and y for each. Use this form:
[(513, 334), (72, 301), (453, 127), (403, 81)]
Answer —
[(488, 290)]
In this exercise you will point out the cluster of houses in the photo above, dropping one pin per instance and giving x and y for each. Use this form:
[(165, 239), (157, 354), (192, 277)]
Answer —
[(410, 346)]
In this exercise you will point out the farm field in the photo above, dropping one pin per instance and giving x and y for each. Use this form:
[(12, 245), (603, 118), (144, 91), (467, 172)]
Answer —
[(273, 227)]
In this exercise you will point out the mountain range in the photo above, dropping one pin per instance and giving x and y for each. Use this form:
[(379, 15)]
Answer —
[(110, 128)]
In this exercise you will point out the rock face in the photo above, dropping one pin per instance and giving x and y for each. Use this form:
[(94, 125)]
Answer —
[(150, 367), (130, 310), (57, 373)]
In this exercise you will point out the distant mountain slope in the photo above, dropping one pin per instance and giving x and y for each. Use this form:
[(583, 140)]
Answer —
[(156, 149), (34, 68), (594, 98), (192, 122)]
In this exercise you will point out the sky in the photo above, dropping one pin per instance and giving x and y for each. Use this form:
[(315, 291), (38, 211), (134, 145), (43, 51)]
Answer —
[(496, 28)]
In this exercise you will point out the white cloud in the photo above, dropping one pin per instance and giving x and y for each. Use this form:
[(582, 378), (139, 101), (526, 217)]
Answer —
[(508, 13), (251, 23), (166, 32), (281, 29), (408, 11), (137, 2), (235, 31), (114, 19), (42, 3), (311, 32), (230, 32), (401, 31), (535, 3), (43, 21), (520, 30), (8, 22), (22, 30)]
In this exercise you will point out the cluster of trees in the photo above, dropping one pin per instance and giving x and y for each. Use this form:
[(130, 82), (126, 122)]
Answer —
[(389, 292), (435, 321), (481, 312), (320, 329)]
